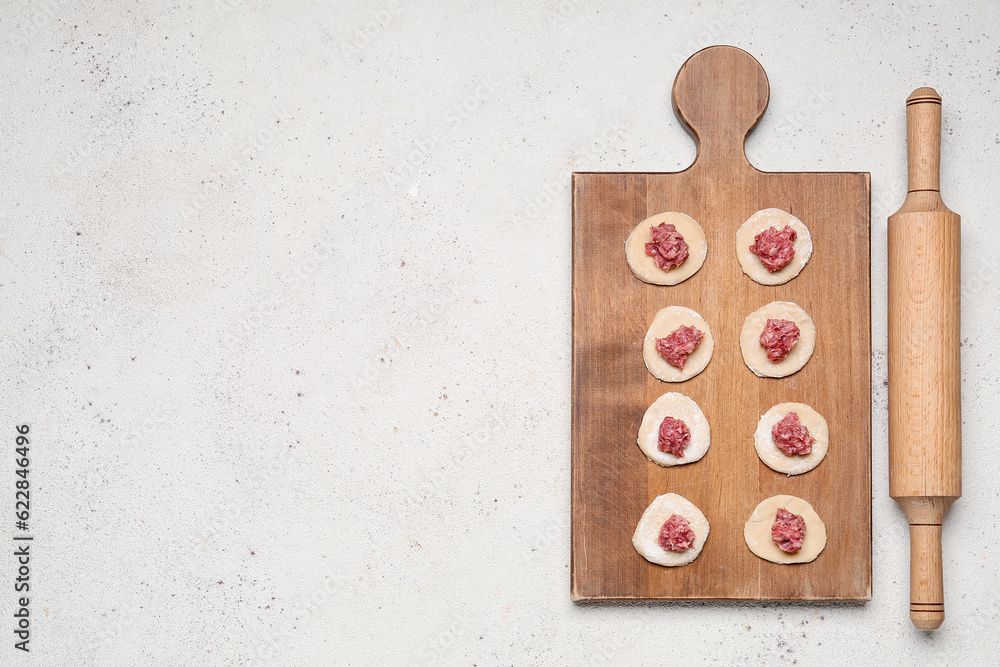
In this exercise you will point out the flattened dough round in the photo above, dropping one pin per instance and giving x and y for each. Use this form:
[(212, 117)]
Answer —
[(644, 267), (774, 458), (680, 407), (647, 533), (665, 323), (757, 531), (758, 222), (755, 356)]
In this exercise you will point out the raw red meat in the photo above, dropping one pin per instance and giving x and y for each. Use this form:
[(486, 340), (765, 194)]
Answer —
[(676, 534), (791, 436), (674, 436), (788, 531), (668, 248), (774, 248), (681, 342), (778, 337)]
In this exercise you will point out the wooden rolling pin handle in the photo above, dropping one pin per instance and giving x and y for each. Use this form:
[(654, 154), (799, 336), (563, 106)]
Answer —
[(926, 576), (926, 571), (923, 140)]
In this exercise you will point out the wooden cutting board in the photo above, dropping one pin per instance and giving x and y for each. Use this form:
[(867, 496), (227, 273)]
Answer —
[(720, 93)]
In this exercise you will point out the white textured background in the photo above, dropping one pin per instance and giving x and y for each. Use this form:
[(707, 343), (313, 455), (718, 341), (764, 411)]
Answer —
[(285, 295)]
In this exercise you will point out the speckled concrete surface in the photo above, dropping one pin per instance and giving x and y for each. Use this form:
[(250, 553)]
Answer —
[(286, 297)]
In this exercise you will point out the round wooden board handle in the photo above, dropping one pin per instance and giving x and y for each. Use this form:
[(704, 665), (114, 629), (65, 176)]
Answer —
[(720, 94), (925, 399)]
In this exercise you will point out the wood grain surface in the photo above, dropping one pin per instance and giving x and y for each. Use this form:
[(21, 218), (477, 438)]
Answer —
[(720, 93), (925, 365)]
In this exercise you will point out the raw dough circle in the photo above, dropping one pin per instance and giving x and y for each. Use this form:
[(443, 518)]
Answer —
[(757, 531), (758, 222), (647, 533), (644, 267), (796, 464), (666, 322), (755, 356), (680, 407)]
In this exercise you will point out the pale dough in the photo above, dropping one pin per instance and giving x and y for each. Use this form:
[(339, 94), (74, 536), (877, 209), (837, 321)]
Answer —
[(647, 533), (666, 322), (796, 464), (757, 531), (758, 222), (680, 407), (644, 267), (755, 356)]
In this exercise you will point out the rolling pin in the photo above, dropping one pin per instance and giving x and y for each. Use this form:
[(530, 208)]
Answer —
[(925, 399)]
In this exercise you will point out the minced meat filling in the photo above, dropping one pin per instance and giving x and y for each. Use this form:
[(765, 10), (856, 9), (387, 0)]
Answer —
[(788, 531), (775, 249), (674, 436), (778, 337), (667, 247), (681, 342), (791, 436), (676, 534)]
